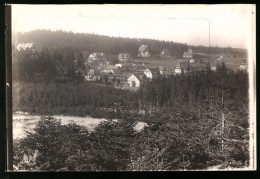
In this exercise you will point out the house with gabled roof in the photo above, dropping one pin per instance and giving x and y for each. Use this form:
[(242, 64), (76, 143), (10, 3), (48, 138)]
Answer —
[(187, 54), (124, 57), (27, 47), (134, 80), (143, 51), (152, 72), (96, 56), (165, 53), (243, 65), (178, 69)]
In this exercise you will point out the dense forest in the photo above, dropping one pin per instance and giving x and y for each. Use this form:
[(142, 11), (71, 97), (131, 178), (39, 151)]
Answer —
[(195, 121), (61, 41)]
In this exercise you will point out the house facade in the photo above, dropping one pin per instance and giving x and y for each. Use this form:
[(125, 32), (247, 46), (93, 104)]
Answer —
[(134, 81), (161, 69), (243, 65), (92, 76), (124, 57), (143, 51), (151, 72), (178, 69), (96, 56), (109, 69), (165, 53), (188, 54), (30, 47)]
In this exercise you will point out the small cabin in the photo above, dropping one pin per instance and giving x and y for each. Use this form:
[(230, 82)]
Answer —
[(134, 80), (177, 69), (151, 72)]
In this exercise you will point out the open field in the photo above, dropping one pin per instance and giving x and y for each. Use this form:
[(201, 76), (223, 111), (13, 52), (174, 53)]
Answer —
[(232, 62), (27, 122), (169, 63)]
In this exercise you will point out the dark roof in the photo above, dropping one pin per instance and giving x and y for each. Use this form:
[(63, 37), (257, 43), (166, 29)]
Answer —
[(155, 71)]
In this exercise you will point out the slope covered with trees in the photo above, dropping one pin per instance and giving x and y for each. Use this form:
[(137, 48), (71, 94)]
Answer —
[(195, 121), (60, 41)]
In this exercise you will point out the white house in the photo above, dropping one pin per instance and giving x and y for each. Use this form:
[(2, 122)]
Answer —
[(242, 66), (109, 69), (96, 56), (134, 80), (165, 53), (188, 54), (161, 69), (124, 57), (143, 51), (118, 65), (26, 47), (91, 76), (178, 69)]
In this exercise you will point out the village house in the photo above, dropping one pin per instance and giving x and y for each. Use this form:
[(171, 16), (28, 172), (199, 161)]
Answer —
[(243, 65), (192, 60), (178, 69), (124, 57), (161, 69), (96, 56), (165, 53), (119, 65), (110, 69), (213, 67), (134, 80), (185, 66), (188, 54), (205, 65), (30, 47), (143, 51), (92, 76), (151, 72)]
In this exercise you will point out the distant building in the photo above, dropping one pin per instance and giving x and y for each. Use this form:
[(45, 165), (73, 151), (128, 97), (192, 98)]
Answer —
[(192, 60), (243, 65), (30, 47), (118, 65), (151, 72), (213, 66), (165, 53), (178, 69), (161, 69), (134, 80), (185, 67), (188, 54), (92, 76), (97, 60), (96, 56), (124, 57), (109, 69), (143, 51)]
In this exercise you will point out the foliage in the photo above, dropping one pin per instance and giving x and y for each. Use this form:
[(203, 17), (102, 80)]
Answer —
[(195, 121)]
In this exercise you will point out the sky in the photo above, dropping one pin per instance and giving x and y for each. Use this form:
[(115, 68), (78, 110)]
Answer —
[(217, 25)]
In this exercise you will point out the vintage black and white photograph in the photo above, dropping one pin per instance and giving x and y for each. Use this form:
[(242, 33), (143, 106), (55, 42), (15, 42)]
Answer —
[(133, 87)]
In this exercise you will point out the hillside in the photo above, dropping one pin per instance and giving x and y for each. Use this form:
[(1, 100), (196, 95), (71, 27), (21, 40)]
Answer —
[(60, 41)]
